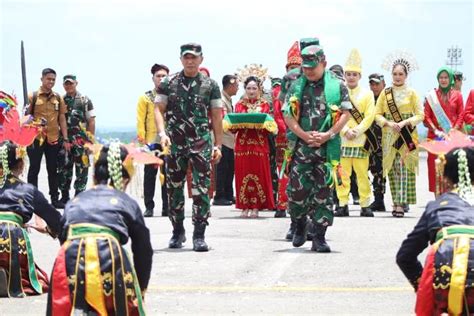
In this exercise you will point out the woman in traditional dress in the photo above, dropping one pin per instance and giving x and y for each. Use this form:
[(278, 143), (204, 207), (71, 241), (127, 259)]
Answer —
[(446, 283), (93, 273), (443, 111), (19, 275), (252, 167), (398, 111)]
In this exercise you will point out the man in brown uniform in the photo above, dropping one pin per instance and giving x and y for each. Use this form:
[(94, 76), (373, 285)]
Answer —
[(49, 107)]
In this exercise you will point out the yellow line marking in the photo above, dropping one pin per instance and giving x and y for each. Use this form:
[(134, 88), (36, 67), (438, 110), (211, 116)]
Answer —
[(196, 288)]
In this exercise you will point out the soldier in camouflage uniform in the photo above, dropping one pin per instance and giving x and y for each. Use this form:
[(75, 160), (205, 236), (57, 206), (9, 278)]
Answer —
[(293, 72), (186, 98), (80, 119), (318, 93)]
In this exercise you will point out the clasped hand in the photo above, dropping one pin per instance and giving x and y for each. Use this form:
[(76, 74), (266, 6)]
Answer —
[(316, 139)]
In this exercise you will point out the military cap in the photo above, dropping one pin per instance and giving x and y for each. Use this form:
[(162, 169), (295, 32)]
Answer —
[(312, 56), (70, 78), (308, 41), (191, 48), (376, 77)]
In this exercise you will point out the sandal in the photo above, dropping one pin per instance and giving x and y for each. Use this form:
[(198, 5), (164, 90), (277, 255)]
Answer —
[(244, 214), (398, 212), (254, 214)]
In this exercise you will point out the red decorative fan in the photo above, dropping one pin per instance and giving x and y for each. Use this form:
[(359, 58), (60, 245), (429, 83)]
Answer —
[(455, 139), (17, 131)]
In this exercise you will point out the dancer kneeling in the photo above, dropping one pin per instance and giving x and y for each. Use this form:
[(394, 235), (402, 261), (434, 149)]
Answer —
[(19, 275), (93, 272), (445, 284)]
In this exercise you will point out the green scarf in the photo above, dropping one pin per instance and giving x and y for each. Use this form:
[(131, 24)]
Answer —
[(449, 71)]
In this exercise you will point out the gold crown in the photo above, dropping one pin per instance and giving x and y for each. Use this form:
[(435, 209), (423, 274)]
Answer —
[(252, 70), (354, 62)]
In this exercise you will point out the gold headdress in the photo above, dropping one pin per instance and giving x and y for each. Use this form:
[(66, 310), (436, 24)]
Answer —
[(400, 57), (252, 70), (354, 61)]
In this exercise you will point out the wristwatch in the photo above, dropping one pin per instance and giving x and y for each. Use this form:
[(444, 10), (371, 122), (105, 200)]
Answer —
[(331, 134)]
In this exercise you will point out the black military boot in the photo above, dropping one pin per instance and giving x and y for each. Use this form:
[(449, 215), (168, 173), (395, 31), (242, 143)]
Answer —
[(291, 231), (178, 237), (366, 212), (301, 230), (342, 211), (64, 197), (199, 244), (378, 205), (3, 283), (319, 240), (311, 231), (56, 202)]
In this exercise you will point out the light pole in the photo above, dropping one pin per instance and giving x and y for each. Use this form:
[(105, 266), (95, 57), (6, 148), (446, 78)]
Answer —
[(454, 57)]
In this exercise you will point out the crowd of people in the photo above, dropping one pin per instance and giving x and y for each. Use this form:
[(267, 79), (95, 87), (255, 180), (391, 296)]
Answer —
[(299, 149)]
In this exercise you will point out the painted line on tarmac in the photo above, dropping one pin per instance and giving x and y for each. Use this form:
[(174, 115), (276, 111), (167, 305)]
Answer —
[(190, 288)]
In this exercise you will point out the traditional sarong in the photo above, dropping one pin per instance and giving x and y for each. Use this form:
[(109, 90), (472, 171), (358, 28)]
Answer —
[(23, 276), (447, 282), (402, 182), (93, 273)]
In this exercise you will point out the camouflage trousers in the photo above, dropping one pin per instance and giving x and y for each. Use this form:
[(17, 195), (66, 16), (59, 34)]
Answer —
[(201, 181), (77, 158), (307, 191)]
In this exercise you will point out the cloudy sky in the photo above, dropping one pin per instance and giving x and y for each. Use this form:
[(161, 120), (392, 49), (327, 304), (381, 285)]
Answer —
[(111, 44)]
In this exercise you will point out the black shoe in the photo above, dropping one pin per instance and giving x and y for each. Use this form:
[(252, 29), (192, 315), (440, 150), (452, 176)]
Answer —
[(280, 214), (233, 200), (299, 238), (319, 240), (377, 206), (148, 213), (342, 211), (164, 212), (199, 244), (3, 283), (355, 201), (366, 212), (406, 208), (291, 230), (178, 237), (58, 204), (221, 202)]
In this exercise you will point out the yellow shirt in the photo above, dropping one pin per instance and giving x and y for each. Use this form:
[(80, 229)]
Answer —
[(146, 126), (363, 100), (49, 106)]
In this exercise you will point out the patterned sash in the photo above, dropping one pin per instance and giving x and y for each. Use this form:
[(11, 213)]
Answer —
[(371, 142), (438, 111), (405, 133)]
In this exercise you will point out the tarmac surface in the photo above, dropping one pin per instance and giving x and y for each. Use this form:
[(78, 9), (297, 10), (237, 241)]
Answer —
[(251, 269)]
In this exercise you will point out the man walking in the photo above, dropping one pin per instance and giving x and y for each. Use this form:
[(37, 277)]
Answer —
[(186, 98)]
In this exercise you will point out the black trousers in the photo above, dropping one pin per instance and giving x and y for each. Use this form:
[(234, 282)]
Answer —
[(149, 184), (225, 175), (376, 168), (35, 154)]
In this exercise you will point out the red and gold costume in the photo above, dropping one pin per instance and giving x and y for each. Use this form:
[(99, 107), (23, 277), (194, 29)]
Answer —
[(252, 166)]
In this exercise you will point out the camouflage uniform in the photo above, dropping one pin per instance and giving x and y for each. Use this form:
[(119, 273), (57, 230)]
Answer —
[(307, 191), (79, 110), (188, 102)]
